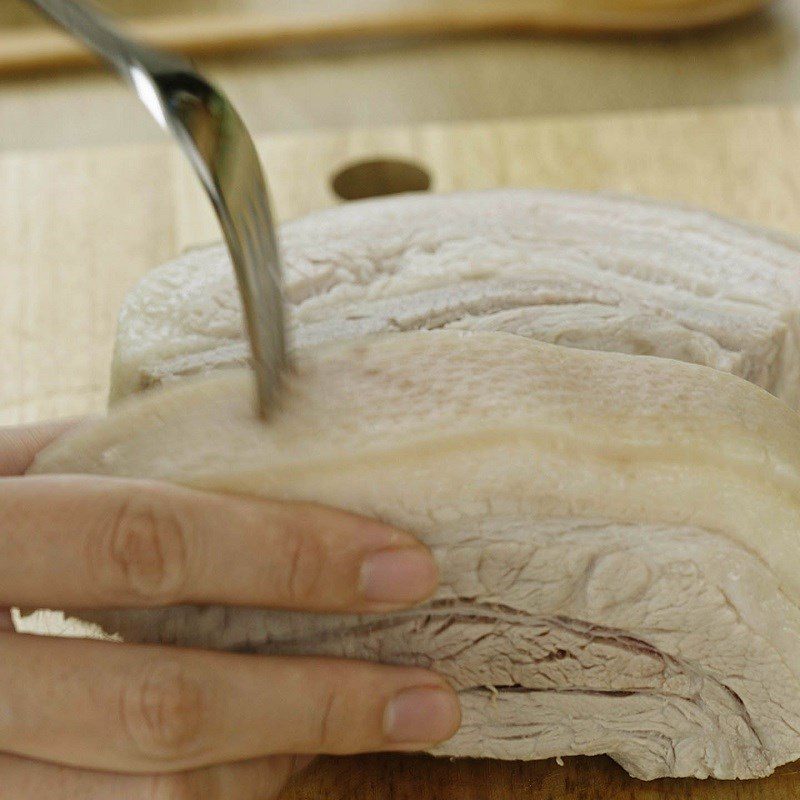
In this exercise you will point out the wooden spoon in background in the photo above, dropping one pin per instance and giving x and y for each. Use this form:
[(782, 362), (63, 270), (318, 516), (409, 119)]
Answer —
[(219, 26)]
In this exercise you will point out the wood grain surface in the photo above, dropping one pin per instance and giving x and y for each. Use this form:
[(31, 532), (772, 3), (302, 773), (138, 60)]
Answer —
[(756, 60), (77, 228), (241, 24), (388, 777)]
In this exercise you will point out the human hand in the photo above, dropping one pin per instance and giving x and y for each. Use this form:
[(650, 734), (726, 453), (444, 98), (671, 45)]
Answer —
[(93, 720)]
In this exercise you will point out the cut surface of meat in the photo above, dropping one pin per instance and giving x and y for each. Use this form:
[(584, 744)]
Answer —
[(619, 536), (584, 271)]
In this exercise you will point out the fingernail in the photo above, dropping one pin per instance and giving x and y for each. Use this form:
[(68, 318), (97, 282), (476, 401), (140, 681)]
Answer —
[(422, 715), (403, 575)]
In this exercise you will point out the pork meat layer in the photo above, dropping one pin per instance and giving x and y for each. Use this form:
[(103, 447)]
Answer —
[(583, 271), (619, 536)]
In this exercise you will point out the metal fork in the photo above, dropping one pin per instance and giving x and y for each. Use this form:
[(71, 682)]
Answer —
[(216, 142)]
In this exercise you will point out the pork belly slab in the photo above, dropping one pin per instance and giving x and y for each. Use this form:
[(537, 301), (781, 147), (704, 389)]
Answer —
[(584, 271), (618, 534)]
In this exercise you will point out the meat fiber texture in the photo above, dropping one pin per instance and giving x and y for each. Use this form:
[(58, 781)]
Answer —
[(585, 271), (618, 535)]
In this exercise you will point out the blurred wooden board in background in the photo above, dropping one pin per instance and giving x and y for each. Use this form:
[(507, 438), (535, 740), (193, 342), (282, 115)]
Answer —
[(216, 26), (77, 228)]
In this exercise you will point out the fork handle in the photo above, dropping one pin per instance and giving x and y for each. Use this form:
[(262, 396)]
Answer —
[(99, 35)]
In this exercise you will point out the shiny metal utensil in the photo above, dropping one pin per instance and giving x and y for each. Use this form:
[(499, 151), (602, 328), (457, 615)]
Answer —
[(215, 140)]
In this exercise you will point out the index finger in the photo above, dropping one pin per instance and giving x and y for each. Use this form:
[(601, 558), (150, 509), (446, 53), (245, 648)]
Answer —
[(82, 541)]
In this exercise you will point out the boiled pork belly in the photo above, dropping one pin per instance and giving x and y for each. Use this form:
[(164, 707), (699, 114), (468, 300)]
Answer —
[(585, 271), (619, 536), (616, 518)]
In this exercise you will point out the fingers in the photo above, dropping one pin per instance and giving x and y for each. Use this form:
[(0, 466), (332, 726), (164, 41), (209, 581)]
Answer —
[(19, 445), (83, 541), (145, 709), (260, 779)]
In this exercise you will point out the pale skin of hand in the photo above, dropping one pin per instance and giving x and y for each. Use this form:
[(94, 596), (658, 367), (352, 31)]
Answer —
[(88, 720)]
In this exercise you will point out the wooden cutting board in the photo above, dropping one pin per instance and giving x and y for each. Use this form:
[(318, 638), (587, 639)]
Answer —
[(79, 227), (202, 27)]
